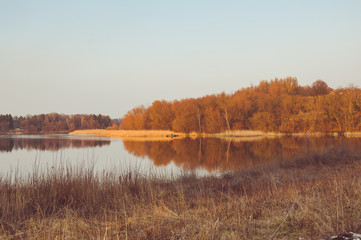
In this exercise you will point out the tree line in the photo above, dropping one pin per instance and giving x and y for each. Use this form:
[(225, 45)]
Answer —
[(53, 123), (279, 105)]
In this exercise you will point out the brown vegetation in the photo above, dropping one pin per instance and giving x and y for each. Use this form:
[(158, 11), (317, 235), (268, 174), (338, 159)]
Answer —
[(278, 202), (279, 105)]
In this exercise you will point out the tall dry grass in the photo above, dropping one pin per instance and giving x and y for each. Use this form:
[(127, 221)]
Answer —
[(161, 134), (134, 135), (314, 201), (245, 133)]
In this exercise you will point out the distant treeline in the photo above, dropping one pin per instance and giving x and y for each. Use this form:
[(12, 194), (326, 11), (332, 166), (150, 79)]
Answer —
[(279, 105), (53, 123)]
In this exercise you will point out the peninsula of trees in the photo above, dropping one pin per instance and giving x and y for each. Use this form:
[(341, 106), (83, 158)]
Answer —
[(279, 105)]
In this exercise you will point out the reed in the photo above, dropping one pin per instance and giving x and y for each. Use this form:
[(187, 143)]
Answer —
[(273, 202), (129, 134), (245, 133)]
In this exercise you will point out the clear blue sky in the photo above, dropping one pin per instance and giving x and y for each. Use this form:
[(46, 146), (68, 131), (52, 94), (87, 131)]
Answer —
[(110, 56)]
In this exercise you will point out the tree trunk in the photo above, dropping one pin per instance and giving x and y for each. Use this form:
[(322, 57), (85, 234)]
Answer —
[(226, 117), (199, 121)]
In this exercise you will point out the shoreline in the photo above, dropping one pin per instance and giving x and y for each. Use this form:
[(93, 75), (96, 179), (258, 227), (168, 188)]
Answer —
[(167, 135), (158, 135), (140, 135)]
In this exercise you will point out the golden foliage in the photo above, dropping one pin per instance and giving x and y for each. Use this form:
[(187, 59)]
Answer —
[(279, 105)]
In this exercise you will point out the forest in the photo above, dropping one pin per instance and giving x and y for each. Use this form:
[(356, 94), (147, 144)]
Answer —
[(53, 123), (279, 105)]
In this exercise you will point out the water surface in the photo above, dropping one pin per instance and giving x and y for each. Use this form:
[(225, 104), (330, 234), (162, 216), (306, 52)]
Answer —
[(23, 153)]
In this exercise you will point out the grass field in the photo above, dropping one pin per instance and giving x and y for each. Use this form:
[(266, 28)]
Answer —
[(285, 201)]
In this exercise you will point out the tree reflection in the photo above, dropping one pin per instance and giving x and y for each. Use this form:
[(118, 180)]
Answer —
[(222, 154), (8, 144)]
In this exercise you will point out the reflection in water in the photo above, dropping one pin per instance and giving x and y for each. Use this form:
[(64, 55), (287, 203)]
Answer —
[(8, 144), (209, 154), (221, 155)]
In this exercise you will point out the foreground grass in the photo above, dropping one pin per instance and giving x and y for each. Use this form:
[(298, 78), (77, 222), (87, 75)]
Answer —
[(312, 198)]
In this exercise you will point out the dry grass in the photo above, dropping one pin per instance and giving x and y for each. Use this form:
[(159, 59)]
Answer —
[(279, 202), (134, 135), (161, 135), (246, 133), (352, 134)]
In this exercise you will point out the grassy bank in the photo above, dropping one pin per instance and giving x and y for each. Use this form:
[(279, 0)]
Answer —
[(160, 135), (312, 197), (130, 134)]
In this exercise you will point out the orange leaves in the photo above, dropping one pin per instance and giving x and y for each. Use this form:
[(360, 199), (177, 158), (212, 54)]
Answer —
[(160, 115), (134, 119), (186, 116), (276, 105)]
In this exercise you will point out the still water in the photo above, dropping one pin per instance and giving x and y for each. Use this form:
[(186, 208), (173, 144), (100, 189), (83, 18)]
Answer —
[(22, 154)]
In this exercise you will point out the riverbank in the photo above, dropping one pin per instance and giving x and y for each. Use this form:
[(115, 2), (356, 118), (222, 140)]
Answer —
[(274, 202), (166, 135), (163, 135), (132, 134)]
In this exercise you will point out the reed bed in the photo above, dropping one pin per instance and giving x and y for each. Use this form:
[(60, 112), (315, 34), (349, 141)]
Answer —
[(310, 198), (134, 135), (245, 133), (163, 135)]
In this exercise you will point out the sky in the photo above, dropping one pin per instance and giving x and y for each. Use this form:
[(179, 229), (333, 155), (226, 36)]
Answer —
[(107, 57)]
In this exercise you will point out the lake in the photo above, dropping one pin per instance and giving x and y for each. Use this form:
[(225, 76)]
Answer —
[(23, 154)]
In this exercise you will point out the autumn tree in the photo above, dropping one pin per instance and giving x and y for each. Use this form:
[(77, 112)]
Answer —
[(240, 109), (319, 87), (214, 121), (160, 115), (223, 101), (6, 123), (134, 119), (186, 116)]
